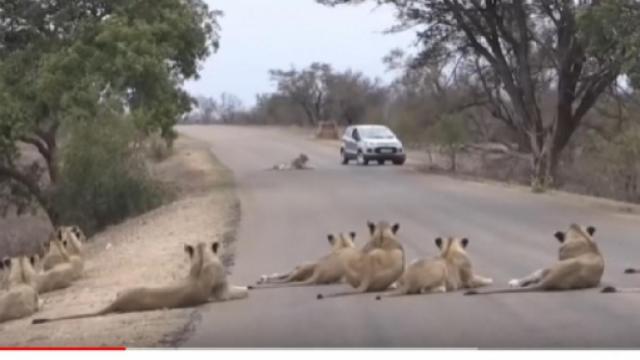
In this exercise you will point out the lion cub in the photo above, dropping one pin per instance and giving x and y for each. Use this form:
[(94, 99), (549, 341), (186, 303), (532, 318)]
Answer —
[(378, 264), (580, 266), (327, 270), (20, 299), (449, 271)]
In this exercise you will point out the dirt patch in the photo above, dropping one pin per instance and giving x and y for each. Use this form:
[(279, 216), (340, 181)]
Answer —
[(146, 250)]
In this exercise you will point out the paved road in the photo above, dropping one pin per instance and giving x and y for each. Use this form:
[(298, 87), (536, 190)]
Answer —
[(286, 216)]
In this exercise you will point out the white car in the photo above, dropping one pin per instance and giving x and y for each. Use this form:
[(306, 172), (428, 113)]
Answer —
[(365, 143)]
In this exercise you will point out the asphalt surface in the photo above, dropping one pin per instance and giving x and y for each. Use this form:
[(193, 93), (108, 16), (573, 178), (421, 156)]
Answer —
[(287, 215)]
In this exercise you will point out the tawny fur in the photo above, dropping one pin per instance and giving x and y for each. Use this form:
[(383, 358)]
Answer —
[(59, 277), (5, 264), (194, 290), (72, 236), (450, 271), (19, 300), (51, 256), (222, 289), (205, 281), (327, 270), (580, 266), (299, 163), (73, 265), (378, 264)]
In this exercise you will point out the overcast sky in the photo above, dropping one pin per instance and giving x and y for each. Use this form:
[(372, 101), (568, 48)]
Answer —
[(258, 35)]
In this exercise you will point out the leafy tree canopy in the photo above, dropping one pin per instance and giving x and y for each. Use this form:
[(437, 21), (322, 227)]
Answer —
[(66, 60)]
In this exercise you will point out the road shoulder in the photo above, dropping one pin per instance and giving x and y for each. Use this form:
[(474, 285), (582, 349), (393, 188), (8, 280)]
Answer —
[(143, 251)]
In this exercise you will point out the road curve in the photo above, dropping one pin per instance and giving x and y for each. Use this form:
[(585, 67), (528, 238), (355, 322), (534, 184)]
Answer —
[(287, 215)]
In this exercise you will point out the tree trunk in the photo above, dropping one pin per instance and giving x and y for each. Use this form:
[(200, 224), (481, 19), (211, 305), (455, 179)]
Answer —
[(453, 160), (35, 191), (524, 146), (554, 161), (541, 177)]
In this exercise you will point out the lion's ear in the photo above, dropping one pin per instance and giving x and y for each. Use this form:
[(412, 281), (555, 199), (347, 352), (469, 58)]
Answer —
[(189, 250), (371, 226)]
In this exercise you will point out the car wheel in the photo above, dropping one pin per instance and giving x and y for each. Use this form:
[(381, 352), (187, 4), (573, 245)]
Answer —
[(345, 158), (398, 162), (380, 162), (361, 159)]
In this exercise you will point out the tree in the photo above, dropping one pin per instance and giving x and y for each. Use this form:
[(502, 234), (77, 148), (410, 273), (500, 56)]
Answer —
[(350, 94), (450, 133), (322, 93), (578, 47), (306, 88), (276, 108), (229, 107), (209, 108), (63, 61)]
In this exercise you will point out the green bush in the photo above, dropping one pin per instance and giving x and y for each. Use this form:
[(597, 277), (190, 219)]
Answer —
[(103, 177)]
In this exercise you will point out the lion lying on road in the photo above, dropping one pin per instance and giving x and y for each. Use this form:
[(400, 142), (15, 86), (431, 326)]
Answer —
[(580, 266), (299, 163), (327, 270), (449, 271), (378, 264)]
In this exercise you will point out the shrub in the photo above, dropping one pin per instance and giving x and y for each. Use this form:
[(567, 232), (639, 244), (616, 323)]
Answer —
[(608, 168), (103, 177), (159, 149), (451, 134)]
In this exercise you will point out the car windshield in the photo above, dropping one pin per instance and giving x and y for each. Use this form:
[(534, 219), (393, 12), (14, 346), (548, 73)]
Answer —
[(376, 133)]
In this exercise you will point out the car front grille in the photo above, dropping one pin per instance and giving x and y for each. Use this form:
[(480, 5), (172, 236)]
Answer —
[(386, 150)]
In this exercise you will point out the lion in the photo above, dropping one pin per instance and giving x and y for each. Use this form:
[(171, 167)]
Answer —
[(222, 289), (59, 277), (52, 256), (75, 229), (5, 264), (203, 280), (580, 266), (450, 271), (74, 238), (327, 270), (73, 264), (299, 163), (378, 264), (20, 299)]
